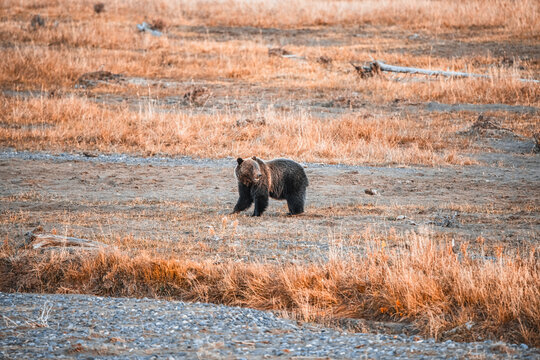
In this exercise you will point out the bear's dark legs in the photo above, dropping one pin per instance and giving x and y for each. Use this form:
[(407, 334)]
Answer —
[(245, 199), (296, 203), (261, 202)]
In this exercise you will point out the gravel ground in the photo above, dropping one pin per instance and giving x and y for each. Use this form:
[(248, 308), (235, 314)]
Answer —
[(80, 326)]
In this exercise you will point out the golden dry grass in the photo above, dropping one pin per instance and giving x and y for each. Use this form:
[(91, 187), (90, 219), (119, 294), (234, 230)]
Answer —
[(65, 48), (39, 66), (422, 281), (418, 14), (77, 123), (234, 64)]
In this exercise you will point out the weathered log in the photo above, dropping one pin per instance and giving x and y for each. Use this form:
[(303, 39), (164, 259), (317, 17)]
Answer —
[(148, 28), (280, 52), (294, 57), (376, 66), (410, 70), (51, 241)]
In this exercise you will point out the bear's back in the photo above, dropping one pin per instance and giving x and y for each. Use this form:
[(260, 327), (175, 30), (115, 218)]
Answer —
[(288, 176)]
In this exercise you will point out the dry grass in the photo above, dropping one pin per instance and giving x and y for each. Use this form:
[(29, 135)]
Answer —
[(38, 66), (65, 48), (233, 63), (419, 14), (422, 281), (75, 123)]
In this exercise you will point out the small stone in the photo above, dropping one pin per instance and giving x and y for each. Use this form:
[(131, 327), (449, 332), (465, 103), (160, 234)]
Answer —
[(372, 191)]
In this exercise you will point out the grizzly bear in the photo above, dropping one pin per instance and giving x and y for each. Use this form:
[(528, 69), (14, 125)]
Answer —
[(279, 179)]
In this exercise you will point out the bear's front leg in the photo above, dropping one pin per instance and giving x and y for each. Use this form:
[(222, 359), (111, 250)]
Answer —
[(261, 202), (245, 198)]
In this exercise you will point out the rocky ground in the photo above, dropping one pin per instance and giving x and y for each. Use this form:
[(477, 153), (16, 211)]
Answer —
[(78, 326)]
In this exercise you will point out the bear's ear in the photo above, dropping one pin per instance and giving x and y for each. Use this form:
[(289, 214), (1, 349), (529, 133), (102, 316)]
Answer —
[(239, 160)]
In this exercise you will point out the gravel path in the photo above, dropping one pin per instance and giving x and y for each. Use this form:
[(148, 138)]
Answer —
[(80, 326)]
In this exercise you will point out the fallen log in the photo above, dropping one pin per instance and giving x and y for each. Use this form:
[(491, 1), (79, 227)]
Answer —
[(377, 66), (51, 241), (280, 52), (293, 56), (148, 28)]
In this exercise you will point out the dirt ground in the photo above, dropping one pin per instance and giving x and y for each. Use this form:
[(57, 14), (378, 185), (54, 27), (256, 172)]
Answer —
[(179, 205)]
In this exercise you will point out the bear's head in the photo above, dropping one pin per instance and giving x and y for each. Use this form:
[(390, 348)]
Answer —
[(248, 171)]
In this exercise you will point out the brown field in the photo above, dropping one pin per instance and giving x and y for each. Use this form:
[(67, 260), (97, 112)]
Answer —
[(451, 240)]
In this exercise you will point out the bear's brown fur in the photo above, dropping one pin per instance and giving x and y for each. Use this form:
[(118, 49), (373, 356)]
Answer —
[(279, 179)]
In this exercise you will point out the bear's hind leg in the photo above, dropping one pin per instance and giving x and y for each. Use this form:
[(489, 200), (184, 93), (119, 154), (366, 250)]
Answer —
[(296, 203)]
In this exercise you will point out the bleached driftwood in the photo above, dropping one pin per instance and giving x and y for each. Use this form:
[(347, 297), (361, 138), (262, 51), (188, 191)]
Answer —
[(280, 52), (148, 28), (293, 56), (377, 66), (51, 241)]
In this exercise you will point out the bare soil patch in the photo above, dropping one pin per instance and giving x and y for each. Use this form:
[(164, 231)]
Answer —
[(186, 203)]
